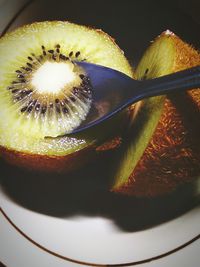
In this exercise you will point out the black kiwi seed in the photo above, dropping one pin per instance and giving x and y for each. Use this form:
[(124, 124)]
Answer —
[(58, 50), (30, 58), (28, 92), (23, 109), (71, 54), (57, 46), (31, 105), (23, 80), (51, 51), (76, 91), (29, 64), (66, 101), (15, 91), (145, 74), (44, 109), (29, 109), (85, 81), (28, 69), (77, 54), (37, 107), (20, 76), (57, 105), (10, 87), (65, 110), (58, 108), (18, 71), (54, 57), (73, 99), (43, 48), (25, 92), (19, 98), (32, 102), (82, 76), (44, 53), (61, 56)]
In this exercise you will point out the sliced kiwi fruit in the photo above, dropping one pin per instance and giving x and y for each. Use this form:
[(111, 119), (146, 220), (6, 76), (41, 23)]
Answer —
[(162, 149), (43, 94)]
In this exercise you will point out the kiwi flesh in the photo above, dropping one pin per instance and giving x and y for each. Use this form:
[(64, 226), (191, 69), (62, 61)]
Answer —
[(162, 149), (31, 59)]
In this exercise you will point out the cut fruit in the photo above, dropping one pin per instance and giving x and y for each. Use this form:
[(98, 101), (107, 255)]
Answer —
[(44, 94), (162, 150)]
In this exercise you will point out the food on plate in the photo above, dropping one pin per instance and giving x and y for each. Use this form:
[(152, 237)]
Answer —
[(39, 102), (156, 140), (162, 150)]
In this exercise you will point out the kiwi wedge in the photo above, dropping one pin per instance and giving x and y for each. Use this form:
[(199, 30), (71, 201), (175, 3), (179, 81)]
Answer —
[(43, 94), (162, 150)]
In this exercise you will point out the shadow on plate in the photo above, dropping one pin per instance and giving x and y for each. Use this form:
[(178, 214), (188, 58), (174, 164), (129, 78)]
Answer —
[(86, 194)]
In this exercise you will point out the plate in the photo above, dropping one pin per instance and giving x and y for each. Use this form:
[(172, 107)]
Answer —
[(74, 218), (85, 232), (17, 251)]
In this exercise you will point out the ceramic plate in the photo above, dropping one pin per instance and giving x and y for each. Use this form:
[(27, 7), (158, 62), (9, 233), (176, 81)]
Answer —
[(75, 218)]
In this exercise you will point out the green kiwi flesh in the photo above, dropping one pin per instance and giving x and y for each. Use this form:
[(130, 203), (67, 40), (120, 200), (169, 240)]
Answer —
[(157, 61), (22, 53)]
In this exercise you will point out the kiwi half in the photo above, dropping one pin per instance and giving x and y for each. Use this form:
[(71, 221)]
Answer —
[(44, 94), (162, 150)]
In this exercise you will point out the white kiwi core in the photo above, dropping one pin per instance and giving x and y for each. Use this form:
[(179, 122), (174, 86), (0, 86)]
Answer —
[(52, 77)]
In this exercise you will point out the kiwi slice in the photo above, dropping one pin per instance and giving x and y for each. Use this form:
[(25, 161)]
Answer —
[(43, 93), (160, 152)]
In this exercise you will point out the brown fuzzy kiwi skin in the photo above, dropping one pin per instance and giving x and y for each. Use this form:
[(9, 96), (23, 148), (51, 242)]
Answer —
[(172, 157), (60, 164), (44, 163)]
